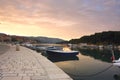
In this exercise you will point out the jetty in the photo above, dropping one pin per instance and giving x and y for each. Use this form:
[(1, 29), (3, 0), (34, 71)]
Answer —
[(26, 64)]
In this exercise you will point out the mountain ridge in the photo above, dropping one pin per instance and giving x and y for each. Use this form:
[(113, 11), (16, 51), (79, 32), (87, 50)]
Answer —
[(39, 39)]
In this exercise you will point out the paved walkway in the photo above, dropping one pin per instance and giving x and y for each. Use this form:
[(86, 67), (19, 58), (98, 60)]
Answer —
[(28, 65)]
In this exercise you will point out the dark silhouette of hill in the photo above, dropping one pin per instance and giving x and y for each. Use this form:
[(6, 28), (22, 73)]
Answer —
[(108, 37)]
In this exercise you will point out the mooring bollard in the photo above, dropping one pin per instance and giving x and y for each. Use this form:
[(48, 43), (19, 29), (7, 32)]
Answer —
[(17, 47)]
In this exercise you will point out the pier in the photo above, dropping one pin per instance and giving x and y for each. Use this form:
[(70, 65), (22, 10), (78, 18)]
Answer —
[(26, 64)]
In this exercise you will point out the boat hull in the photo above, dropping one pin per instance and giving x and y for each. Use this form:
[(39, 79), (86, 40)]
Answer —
[(62, 58), (61, 53)]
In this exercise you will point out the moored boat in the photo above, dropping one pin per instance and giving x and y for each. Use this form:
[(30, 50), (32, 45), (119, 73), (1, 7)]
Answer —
[(62, 53), (115, 62)]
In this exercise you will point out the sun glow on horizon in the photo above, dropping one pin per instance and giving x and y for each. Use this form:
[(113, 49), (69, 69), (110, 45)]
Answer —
[(63, 19), (33, 30)]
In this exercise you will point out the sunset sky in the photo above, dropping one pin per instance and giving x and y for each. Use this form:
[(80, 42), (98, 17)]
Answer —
[(64, 19)]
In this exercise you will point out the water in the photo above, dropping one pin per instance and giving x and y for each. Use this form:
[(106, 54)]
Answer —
[(89, 65)]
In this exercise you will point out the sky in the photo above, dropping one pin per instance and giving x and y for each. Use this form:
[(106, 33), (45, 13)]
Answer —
[(65, 19)]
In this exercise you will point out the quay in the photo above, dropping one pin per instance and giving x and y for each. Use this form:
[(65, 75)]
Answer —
[(26, 64)]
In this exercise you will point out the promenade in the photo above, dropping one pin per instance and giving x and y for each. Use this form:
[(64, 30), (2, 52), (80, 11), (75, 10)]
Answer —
[(27, 64)]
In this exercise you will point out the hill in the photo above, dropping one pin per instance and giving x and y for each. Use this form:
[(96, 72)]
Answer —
[(108, 37), (21, 39), (47, 40)]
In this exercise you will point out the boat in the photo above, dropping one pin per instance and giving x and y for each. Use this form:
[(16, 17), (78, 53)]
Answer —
[(40, 48), (115, 62), (54, 48), (60, 52)]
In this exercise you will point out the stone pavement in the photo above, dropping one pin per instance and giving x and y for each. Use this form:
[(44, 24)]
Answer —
[(27, 64)]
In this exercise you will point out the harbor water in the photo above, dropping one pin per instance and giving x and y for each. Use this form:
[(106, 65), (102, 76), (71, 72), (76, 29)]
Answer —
[(89, 65)]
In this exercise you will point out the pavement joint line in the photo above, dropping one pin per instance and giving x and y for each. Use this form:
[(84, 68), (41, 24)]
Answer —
[(42, 66), (28, 65)]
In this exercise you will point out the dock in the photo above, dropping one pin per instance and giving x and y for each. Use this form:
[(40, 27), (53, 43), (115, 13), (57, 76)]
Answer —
[(26, 64)]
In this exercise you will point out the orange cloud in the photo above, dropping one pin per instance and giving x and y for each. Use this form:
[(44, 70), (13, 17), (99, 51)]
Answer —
[(58, 18)]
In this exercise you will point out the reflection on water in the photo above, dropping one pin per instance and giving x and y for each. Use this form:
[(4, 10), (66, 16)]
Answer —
[(103, 55), (117, 76), (87, 68)]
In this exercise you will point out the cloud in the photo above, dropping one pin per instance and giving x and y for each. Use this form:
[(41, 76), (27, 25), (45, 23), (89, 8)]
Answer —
[(77, 16)]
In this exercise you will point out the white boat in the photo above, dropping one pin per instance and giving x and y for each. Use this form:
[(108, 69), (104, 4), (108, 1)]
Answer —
[(54, 48), (41, 48), (115, 62)]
